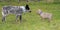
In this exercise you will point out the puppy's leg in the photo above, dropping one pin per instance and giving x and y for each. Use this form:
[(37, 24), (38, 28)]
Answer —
[(49, 19)]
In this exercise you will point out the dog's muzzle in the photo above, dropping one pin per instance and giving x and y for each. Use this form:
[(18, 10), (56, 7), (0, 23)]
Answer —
[(30, 11)]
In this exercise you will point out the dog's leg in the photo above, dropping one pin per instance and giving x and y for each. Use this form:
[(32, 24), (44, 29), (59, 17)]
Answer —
[(20, 18), (3, 18), (17, 17)]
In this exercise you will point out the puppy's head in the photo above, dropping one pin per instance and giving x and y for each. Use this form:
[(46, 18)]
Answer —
[(39, 11)]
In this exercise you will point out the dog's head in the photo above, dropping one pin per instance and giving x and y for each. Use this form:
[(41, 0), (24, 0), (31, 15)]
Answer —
[(27, 8)]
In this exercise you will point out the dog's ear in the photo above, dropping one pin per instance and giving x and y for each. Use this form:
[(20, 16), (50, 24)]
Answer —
[(27, 7)]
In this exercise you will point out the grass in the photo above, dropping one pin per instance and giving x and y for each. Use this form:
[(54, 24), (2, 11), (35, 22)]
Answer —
[(32, 21)]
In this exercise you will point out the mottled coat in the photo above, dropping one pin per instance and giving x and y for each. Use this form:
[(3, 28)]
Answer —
[(17, 10)]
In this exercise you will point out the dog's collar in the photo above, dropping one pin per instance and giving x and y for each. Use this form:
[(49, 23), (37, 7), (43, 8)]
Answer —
[(40, 12)]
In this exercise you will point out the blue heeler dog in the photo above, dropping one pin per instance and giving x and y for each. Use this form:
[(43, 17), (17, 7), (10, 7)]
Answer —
[(17, 10)]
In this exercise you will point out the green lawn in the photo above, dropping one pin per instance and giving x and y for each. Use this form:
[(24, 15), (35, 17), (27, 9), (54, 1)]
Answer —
[(32, 21)]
